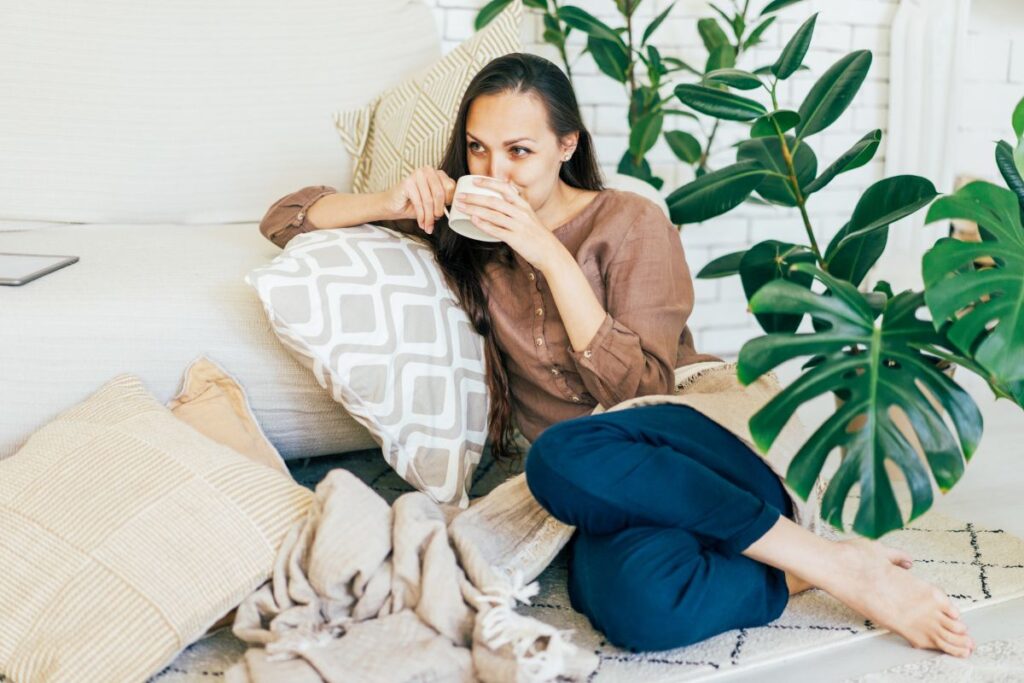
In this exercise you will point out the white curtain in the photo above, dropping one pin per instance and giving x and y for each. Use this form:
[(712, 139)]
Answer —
[(927, 41)]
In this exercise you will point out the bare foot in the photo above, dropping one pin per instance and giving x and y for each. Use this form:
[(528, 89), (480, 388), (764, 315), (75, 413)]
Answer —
[(873, 581), (896, 557)]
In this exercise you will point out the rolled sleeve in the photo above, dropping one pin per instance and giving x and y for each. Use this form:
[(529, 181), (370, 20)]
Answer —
[(649, 298), (286, 218)]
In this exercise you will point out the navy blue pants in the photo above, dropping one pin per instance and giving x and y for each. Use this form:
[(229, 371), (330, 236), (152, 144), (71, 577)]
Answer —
[(664, 500)]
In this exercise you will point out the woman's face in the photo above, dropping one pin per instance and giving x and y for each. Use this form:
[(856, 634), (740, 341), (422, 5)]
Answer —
[(507, 137)]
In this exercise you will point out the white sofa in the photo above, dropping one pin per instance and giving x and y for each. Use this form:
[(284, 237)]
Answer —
[(148, 140)]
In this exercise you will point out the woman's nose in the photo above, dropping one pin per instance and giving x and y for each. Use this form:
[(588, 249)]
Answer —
[(498, 170)]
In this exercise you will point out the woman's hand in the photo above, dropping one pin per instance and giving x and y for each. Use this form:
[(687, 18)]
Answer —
[(511, 219), (422, 195)]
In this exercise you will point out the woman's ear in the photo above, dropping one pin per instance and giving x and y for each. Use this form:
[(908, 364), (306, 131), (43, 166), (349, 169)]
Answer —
[(569, 143)]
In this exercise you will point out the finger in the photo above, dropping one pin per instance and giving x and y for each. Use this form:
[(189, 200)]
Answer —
[(489, 228), (520, 200), (449, 187), (465, 202), (503, 188), (495, 203), (491, 216), (427, 199), (437, 195), (413, 193)]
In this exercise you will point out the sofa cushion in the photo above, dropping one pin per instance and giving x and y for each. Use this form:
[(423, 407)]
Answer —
[(368, 311), (408, 126), (124, 534), (189, 111), (148, 300)]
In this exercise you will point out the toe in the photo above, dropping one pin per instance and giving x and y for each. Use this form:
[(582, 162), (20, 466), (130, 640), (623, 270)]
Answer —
[(956, 645), (945, 603), (901, 558), (953, 625)]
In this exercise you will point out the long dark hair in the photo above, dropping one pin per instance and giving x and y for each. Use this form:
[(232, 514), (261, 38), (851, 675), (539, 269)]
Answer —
[(463, 260)]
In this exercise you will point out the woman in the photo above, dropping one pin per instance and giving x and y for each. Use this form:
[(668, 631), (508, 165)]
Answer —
[(682, 531)]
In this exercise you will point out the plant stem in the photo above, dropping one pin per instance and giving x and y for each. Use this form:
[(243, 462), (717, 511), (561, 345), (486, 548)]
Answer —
[(703, 161), (565, 59), (561, 45), (739, 38), (632, 60), (801, 201)]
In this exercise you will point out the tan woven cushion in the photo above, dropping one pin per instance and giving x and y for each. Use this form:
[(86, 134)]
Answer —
[(124, 534), (408, 126)]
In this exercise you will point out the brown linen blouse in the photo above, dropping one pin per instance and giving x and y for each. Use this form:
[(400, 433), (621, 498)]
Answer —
[(633, 259)]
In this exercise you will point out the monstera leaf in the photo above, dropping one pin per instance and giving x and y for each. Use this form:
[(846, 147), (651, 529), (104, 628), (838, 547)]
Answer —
[(875, 365), (983, 308)]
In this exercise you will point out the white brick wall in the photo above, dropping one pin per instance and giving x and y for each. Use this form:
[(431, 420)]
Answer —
[(994, 83), (720, 322)]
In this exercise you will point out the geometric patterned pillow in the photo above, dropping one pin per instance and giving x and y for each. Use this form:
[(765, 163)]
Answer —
[(408, 126), (368, 311)]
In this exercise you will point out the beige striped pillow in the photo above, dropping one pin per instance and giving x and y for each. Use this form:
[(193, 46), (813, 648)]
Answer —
[(408, 126), (124, 534)]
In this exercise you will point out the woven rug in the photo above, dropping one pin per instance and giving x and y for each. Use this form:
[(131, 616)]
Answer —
[(972, 564)]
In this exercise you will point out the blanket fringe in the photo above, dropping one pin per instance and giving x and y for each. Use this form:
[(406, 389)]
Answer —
[(541, 651), (294, 642)]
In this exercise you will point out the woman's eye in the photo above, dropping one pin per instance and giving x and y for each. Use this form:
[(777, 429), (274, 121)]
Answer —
[(516, 151)]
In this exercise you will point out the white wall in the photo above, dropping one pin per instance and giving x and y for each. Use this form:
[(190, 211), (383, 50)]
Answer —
[(720, 322), (993, 84)]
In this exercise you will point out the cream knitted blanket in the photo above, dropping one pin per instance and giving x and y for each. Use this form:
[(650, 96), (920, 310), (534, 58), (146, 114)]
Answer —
[(363, 591), (418, 591)]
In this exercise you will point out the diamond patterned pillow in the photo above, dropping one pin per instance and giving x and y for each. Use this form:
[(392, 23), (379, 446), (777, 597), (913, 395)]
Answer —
[(369, 312), (408, 126)]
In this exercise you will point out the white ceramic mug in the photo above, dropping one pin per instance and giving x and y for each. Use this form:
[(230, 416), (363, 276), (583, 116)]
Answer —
[(459, 221)]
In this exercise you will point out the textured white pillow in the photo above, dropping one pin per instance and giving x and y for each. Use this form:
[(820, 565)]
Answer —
[(188, 111), (367, 309)]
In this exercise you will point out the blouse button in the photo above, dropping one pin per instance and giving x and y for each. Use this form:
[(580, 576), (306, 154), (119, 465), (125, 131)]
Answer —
[(575, 398), (531, 277), (540, 342), (302, 214), (540, 311), (587, 353)]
